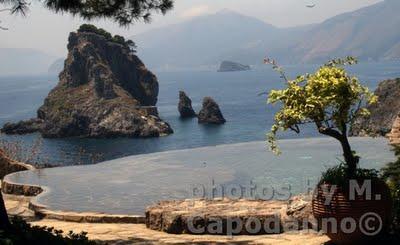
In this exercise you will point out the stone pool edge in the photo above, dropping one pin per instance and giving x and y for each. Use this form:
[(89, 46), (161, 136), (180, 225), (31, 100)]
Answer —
[(43, 212)]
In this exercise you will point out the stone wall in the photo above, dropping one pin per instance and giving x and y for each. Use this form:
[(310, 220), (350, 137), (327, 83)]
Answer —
[(8, 165)]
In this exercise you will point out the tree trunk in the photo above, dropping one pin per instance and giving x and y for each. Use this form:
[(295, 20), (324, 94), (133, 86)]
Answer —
[(4, 221), (349, 157)]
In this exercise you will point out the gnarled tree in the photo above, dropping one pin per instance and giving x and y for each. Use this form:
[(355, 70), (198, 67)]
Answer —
[(329, 98)]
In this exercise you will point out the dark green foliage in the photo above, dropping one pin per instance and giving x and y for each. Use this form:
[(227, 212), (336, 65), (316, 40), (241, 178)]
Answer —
[(116, 39), (123, 12), (23, 233), (391, 173), (94, 29), (338, 175)]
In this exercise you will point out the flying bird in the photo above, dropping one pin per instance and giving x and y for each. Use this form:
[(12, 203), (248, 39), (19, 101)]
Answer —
[(310, 6)]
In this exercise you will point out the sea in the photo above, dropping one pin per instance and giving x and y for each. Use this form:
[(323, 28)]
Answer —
[(240, 95)]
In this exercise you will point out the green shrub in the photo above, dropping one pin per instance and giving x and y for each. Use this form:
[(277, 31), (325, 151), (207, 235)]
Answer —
[(119, 39), (338, 175), (116, 39), (23, 233), (94, 29)]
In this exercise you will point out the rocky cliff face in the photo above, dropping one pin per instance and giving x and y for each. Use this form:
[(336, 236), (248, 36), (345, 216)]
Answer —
[(104, 91), (383, 114)]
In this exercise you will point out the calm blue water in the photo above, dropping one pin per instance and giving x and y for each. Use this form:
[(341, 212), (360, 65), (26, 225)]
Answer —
[(248, 116)]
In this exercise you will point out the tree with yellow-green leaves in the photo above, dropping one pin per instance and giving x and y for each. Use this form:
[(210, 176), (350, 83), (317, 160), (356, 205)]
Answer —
[(329, 98)]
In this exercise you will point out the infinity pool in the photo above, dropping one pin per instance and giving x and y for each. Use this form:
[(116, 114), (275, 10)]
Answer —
[(128, 185)]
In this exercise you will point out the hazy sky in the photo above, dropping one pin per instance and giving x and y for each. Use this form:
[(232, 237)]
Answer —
[(48, 32)]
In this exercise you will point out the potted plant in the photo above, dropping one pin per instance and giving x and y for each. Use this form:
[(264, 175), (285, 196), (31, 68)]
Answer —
[(331, 99)]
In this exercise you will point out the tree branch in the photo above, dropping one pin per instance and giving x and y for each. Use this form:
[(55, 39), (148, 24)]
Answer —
[(295, 128), (328, 131)]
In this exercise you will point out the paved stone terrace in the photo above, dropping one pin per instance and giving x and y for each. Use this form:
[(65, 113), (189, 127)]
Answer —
[(139, 234), (113, 233)]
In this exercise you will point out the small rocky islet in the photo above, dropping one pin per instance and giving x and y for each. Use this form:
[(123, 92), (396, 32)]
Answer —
[(230, 66), (104, 91)]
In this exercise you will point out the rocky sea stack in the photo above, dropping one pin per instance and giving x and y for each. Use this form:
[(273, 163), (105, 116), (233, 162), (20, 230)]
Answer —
[(104, 91), (383, 114), (185, 106), (210, 113)]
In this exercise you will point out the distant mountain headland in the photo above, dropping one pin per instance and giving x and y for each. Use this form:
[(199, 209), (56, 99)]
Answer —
[(104, 91), (370, 33), (229, 66)]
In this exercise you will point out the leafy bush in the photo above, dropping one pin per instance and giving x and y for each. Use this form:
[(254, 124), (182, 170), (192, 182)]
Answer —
[(94, 29), (23, 233), (338, 175), (391, 173), (119, 39)]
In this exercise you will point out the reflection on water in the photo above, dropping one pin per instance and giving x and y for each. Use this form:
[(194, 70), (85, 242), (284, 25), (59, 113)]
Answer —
[(129, 184)]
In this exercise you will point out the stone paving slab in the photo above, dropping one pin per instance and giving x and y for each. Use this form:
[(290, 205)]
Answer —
[(139, 234), (227, 216)]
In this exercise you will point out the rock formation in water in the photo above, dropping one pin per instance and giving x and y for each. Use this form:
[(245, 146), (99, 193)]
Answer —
[(185, 106), (104, 91), (23, 127), (383, 114), (210, 112), (228, 66)]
